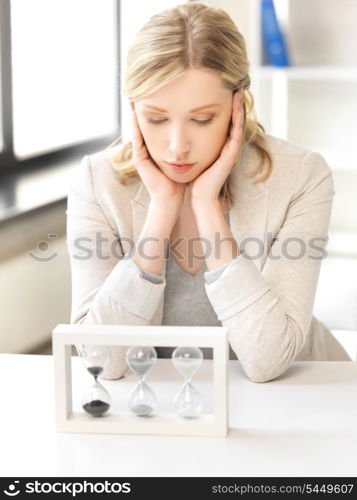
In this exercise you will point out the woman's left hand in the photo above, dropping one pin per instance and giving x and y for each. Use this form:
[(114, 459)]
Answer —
[(207, 186)]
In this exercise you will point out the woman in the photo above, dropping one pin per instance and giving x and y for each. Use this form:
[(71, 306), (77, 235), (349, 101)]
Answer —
[(235, 239)]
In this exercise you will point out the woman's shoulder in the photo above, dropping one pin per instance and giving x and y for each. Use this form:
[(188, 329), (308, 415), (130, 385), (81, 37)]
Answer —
[(283, 147), (289, 157), (97, 182), (97, 170), (101, 162)]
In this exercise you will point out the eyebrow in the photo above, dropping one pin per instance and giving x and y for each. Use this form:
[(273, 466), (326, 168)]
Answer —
[(191, 110)]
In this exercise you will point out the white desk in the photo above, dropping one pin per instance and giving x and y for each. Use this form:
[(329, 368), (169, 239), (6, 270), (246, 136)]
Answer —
[(302, 424)]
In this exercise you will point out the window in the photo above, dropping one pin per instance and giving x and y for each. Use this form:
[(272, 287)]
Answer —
[(60, 78)]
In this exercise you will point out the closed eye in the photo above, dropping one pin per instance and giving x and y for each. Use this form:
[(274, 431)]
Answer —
[(199, 122)]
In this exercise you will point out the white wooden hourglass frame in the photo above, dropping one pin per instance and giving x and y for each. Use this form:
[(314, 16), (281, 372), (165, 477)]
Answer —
[(208, 424)]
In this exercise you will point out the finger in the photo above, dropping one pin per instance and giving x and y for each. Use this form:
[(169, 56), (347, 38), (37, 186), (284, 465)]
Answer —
[(137, 135), (234, 100), (136, 128), (235, 106), (242, 95), (238, 98), (238, 119)]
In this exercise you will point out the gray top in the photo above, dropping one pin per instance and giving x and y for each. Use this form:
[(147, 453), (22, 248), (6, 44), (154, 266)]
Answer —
[(185, 300)]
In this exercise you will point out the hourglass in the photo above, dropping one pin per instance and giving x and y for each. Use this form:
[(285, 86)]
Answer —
[(96, 399), (142, 399), (187, 361)]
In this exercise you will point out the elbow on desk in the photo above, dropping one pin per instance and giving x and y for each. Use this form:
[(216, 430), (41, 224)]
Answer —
[(260, 378), (113, 375), (268, 353), (117, 367), (265, 370), (258, 372)]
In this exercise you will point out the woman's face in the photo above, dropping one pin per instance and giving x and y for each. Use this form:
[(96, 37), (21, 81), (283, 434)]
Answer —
[(177, 134)]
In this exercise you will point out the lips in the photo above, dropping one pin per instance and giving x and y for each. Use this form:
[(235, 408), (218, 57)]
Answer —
[(179, 163), (180, 168)]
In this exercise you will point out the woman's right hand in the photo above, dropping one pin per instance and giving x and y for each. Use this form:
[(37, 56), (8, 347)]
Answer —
[(162, 190)]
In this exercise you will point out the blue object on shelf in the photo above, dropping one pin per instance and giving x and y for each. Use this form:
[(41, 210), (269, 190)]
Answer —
[(273, 38)]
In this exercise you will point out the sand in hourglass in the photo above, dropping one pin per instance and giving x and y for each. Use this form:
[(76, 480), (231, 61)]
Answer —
[(187, 366), (141, 366), (142, 410), (95, 370), (96, 407)]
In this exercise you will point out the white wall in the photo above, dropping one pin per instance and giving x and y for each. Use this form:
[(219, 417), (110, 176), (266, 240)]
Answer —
[(34, 296)]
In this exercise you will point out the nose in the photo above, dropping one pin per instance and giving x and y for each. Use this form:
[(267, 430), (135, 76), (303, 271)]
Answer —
[(179, 144)]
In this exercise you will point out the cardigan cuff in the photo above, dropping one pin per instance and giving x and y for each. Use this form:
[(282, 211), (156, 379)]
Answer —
[(214, 274), (153, 277), (129, 289), (239, 285)]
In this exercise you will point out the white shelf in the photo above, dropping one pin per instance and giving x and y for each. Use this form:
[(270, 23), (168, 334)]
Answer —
[(313, 102), (312, 106)]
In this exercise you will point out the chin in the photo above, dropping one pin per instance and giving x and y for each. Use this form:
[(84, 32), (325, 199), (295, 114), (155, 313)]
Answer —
[(180, 178)]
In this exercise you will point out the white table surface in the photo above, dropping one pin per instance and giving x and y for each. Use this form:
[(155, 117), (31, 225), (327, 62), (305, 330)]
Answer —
[(302, 424)]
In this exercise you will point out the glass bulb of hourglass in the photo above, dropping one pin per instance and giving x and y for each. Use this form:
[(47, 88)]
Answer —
[(188, 401), (141, 359), (187, 361), (96, 400), (94, 357), (142, 400)]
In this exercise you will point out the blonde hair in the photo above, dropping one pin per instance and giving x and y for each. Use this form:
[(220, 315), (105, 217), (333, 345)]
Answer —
[(190, 36)]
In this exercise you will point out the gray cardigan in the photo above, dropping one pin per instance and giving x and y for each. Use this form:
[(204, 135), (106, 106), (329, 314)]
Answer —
[(264, 297)]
